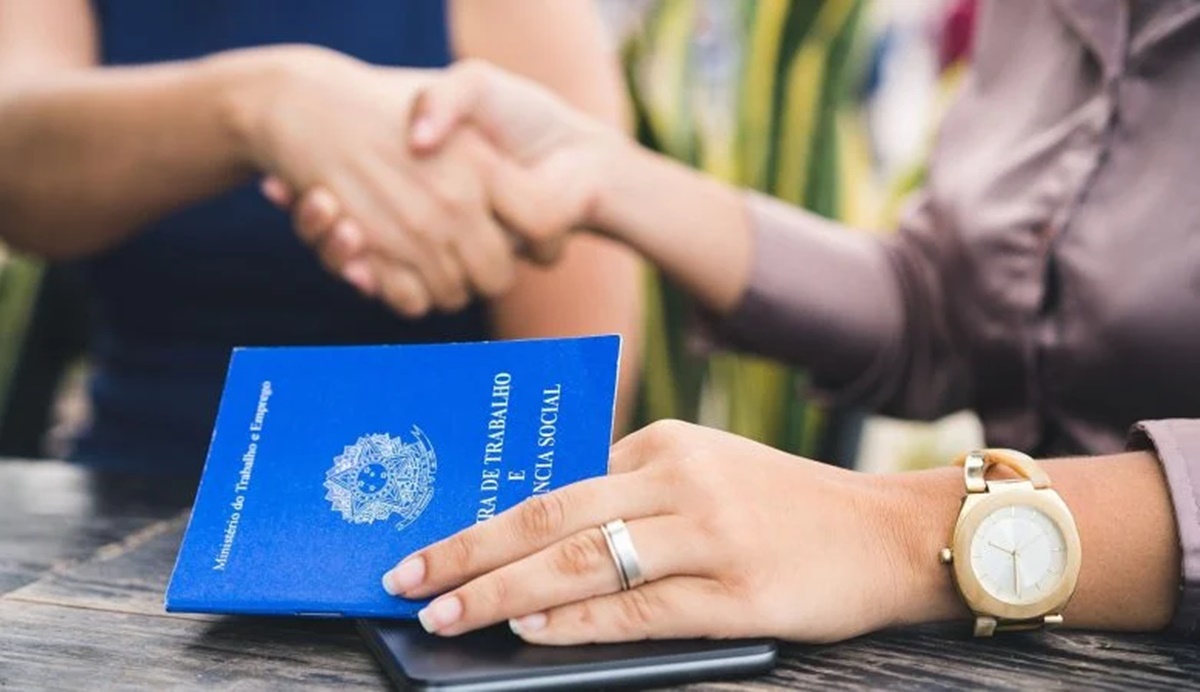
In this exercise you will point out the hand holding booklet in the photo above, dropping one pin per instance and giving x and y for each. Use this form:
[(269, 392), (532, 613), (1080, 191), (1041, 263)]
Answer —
[(329, 464)]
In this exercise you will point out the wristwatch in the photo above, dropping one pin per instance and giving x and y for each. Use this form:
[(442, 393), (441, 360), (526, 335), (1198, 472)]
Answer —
[(1015, 553)]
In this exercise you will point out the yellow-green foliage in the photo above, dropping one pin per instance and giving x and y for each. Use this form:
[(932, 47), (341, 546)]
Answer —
[(19, 279), (790, 128)]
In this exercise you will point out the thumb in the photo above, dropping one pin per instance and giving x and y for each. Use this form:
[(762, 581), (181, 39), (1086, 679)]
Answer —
[(539, 217), (445, 103)]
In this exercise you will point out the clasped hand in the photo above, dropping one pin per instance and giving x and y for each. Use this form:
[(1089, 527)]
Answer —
[(480, 168)]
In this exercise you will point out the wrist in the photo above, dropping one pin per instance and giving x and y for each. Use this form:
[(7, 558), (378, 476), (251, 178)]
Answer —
[(251, 84), (619, 162), (923, 507)]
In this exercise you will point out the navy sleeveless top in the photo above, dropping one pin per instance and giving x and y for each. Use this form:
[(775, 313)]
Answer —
[(170, 303)]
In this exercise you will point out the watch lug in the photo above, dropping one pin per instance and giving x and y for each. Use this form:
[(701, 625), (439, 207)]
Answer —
[(1009, 485), (1052, 621), (974, 468), (985, 626)]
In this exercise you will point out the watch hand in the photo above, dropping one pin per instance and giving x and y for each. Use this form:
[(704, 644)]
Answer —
[(1007, 552), (1016, 575), (1030, 542)]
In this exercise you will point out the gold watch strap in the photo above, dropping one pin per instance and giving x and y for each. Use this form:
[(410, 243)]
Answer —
[(976, 464)]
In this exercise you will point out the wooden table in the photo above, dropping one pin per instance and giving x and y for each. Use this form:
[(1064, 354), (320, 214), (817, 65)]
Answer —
[(84, 559)]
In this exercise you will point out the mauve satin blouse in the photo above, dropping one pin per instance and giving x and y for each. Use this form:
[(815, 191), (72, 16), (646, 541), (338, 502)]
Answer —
[(1048, 274)]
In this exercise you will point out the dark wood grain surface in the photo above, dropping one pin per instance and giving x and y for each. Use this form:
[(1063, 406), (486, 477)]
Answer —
[(84, 560)]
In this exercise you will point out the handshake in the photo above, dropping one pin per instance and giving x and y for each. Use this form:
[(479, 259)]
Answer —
[(427, 196)]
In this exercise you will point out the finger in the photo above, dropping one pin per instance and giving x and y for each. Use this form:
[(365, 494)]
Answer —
[(574, 569), (345, 242), (488, 258), (316, 214), (393, 254), (341, 247), (459, 294), (674, 608), (371, 212), (429, 230), (528, 210), (441, 275), (358, 273), (402, 289), (526, 528), (484, 249), (276, 191)]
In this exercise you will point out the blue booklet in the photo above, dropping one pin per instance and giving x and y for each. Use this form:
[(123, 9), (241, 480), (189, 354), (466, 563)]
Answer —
[(329, 464)]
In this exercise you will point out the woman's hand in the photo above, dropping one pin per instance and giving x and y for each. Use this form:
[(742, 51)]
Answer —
[(416, 232), (735, 539), (540, 185), (559, 170), (565, 153)]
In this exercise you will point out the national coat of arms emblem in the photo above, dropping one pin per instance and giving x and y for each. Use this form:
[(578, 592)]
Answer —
[(380, 476)]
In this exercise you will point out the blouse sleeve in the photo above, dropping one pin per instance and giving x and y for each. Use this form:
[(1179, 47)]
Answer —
[(863, 313), (1177, 443)]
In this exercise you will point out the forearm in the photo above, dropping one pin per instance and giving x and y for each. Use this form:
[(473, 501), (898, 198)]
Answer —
[(694, 228), (780, 281), (1129, 576), (91, 155)]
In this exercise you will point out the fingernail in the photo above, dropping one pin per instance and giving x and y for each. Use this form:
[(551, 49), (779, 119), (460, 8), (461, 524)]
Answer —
[(405, 576), (360, 276), (350, 236), (440, 614), (527, 624), (423, 131), (271, 188)]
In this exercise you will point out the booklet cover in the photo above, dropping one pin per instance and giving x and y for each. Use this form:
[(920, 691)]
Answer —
[(329, 464)]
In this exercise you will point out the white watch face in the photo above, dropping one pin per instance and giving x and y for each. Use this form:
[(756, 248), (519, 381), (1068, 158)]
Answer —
[(1018, 554)]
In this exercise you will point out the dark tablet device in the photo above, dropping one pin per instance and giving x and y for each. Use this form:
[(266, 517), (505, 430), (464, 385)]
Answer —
[(495, 659)]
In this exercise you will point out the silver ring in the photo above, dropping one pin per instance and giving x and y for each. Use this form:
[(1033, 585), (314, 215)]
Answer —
[(624, 555)]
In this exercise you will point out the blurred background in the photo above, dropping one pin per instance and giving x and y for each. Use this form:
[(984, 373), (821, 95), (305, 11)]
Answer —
[(827, 104)]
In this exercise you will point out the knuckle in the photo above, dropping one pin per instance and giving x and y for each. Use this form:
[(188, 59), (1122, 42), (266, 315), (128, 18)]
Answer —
[(458, 553), (541, 517), (664, 439), (669, 472), (580, 617), (486, 596), (581, 554), (636, 611)]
